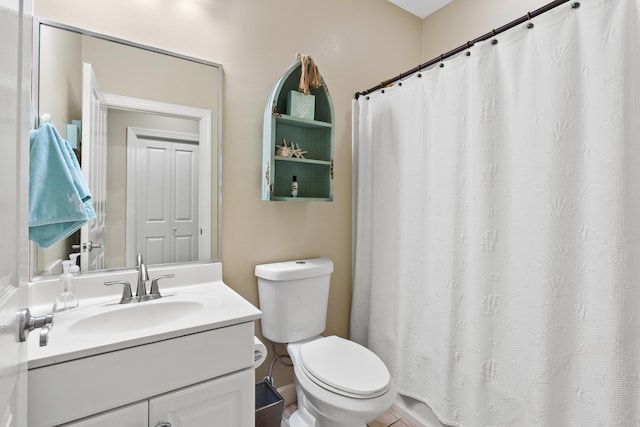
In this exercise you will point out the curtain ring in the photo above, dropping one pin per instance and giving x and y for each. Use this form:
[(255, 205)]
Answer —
[(576, 5), (529, 24), (494, 41), (468, 48)]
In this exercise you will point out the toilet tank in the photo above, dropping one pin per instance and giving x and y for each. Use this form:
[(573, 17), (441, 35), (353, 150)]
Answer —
[(293, 298)]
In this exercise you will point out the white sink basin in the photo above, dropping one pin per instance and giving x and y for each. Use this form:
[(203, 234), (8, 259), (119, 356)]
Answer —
[(133, 316)]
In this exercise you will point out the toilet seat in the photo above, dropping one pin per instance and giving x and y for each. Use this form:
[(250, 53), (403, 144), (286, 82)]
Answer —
[(344, 367)]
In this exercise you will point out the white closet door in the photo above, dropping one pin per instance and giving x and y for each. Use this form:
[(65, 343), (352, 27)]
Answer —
[(154, 201), (168, 200), (184, 228)]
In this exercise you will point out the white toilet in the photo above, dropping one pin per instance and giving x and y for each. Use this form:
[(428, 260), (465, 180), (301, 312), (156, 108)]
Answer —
[(339, 383)]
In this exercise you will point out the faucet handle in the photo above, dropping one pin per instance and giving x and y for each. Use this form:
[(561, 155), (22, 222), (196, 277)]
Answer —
[(155, 291), (127, 297)]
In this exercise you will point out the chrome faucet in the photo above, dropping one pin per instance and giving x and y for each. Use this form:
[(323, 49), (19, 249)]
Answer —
[(141, 291), (143, 276)]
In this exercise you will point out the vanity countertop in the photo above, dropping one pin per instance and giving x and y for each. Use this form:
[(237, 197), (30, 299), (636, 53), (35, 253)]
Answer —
[(192, 302)]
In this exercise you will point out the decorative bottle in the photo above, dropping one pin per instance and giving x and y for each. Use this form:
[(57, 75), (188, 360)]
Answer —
[(294, 187)]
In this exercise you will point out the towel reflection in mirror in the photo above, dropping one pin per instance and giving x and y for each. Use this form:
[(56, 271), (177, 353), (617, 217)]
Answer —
[(59, 198)]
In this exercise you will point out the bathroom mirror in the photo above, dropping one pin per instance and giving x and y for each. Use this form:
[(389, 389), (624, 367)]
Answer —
[(158, 102)]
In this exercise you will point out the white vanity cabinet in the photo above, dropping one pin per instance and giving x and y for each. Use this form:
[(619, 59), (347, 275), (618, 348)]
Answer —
[(196, 380), (218, 402), (130, 416), (186, 359)]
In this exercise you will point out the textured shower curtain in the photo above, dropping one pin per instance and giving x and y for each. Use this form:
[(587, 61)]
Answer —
[(497, 221)]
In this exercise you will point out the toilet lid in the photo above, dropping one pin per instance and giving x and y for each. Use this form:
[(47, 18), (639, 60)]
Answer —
[(345, 366)]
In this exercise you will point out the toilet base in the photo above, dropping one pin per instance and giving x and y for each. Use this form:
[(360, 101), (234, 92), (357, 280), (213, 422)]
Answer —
[(303, 418)]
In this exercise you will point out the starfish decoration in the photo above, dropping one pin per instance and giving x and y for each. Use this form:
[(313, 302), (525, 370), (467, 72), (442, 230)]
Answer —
[(298, 152), (284, 150)]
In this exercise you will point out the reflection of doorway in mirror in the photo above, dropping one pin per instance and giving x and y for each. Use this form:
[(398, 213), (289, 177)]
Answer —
[(94, 166), (123, 196), (163, 173)]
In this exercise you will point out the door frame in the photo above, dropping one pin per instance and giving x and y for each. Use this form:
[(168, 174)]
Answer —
[(203, 116), (15, 74), (133, 152)]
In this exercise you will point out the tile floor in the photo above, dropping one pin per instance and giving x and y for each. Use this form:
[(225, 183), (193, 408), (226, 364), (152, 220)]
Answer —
[(393, 417)]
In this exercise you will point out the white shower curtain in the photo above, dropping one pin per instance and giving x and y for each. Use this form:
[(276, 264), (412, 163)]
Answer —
[(497, 225)]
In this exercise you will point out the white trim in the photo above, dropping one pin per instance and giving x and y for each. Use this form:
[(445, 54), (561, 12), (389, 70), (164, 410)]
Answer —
[(204, 118)]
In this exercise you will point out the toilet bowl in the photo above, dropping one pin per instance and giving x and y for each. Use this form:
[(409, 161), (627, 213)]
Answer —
[(339, 383)]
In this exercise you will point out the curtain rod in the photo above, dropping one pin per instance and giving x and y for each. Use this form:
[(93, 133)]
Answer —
[(468, 44)]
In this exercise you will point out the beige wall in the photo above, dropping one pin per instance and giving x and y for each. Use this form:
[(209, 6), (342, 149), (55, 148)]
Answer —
[(464, 20), (61, 54), (356, 44)]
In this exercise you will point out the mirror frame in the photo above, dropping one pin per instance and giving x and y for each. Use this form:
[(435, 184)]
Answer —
[(125, 103)]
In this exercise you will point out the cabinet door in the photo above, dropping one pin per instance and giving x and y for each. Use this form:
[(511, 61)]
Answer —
[(129, 416), (226, 401)]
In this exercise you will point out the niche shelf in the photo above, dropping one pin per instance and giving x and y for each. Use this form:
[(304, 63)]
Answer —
[(316, 136)]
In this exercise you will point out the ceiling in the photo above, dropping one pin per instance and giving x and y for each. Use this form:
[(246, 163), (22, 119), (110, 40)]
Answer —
[(420, 8)]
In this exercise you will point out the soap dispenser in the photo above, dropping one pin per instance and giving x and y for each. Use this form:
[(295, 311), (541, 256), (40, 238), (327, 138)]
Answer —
[(66, 299), (75, 268)]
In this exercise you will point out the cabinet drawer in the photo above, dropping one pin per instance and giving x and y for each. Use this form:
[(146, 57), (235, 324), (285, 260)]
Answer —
[(129, 416)]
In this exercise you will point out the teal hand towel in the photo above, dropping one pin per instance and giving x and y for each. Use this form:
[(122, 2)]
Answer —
[(59, 198)]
